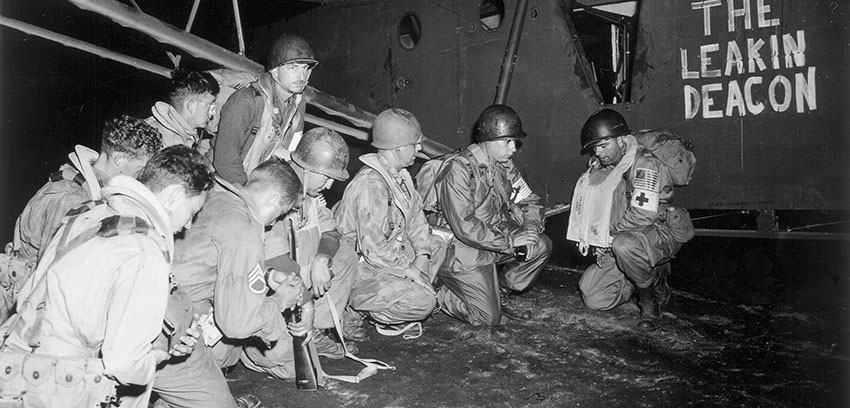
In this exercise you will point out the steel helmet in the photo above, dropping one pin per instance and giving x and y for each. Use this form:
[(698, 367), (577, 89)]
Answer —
[(323, 151), (395, 128), (498, 122), (603, 124), (290, 48)]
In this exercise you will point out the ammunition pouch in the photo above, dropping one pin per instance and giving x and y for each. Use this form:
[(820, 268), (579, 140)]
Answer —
[(679, 224), (178, 318), (14, 271), (35, 380)]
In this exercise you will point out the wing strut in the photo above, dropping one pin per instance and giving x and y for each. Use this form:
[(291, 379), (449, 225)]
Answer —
[(200, 48)]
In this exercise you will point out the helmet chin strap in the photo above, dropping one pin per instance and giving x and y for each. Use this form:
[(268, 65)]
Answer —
[(397, 163), (279, 85)]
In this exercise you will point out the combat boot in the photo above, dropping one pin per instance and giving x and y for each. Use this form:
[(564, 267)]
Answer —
[(507, 298), (660, 286), (248, 401), (352, 325), (650, 310), (328, 347)]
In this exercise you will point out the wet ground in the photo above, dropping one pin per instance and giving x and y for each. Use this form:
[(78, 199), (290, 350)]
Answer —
[(750, 324)]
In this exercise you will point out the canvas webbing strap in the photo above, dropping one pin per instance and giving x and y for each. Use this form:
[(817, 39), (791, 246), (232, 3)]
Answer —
[(389, 331), (372, 366)]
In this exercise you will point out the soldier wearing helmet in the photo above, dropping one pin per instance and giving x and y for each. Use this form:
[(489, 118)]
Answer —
[(495, 218), (382, 212), (308, 236), (266, 118), (618, 209)]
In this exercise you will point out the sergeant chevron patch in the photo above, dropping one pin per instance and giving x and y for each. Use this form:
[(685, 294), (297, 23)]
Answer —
[(256, 281)]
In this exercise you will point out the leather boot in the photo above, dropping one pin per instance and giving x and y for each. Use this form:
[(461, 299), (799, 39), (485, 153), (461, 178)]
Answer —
[(660, 286), (352, 325), (650, 310), (248, 401), (509, 308)]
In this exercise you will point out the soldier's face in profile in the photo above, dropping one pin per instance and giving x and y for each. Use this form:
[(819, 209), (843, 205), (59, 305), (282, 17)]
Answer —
[(200, 110), (407, 154), (183, 210), (501, 150), (315, 183), (608, 151)]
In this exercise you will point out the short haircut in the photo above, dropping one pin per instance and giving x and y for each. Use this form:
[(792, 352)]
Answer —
[(177, 165), (133, 136), (276, 175), (186, 83)]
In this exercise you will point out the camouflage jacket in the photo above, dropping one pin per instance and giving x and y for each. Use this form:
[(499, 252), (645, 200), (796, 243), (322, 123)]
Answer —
[(383, 217)]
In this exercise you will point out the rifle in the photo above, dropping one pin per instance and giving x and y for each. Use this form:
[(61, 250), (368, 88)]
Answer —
[(308, 370)]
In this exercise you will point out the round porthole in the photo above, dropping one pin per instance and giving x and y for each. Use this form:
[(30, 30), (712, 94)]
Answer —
[(409, 31), (492, 12), (534, 13)]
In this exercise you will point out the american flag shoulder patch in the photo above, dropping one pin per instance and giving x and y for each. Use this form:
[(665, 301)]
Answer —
[(646, 179)]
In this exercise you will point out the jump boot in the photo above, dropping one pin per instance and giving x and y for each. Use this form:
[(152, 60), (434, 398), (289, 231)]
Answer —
[(660, 287), (352, 325), (507, 298), (650, 309)]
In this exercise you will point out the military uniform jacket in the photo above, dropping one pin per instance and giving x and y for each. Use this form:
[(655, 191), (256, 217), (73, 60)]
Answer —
[(247, 116), (645, 194), (475, 196), (219, 262), (108, 295), (386, 222)]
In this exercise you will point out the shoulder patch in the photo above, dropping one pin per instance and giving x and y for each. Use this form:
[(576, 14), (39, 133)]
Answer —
[(256, 281), (646, 179)]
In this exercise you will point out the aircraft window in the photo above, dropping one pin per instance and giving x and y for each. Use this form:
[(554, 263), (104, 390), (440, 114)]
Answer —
[(492, 12), (608, 35), (409, 31)]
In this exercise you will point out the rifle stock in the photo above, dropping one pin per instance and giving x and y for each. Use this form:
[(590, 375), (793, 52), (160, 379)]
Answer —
[(308, 371)]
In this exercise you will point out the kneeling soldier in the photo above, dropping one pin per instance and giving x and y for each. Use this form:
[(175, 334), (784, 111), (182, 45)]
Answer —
[(382, 212)]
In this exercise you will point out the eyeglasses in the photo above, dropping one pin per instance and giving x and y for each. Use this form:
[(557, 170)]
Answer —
[(211, 103)]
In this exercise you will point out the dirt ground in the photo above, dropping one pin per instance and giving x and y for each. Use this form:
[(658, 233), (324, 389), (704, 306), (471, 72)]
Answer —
[(750, 324)]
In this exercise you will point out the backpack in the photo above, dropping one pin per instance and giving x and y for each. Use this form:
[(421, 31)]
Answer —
[(675, 153), (229, 81), (426, 179)]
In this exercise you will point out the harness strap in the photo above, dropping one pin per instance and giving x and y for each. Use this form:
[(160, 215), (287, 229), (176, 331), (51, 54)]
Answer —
[(108, 227), (372, 365), (389, 331)]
